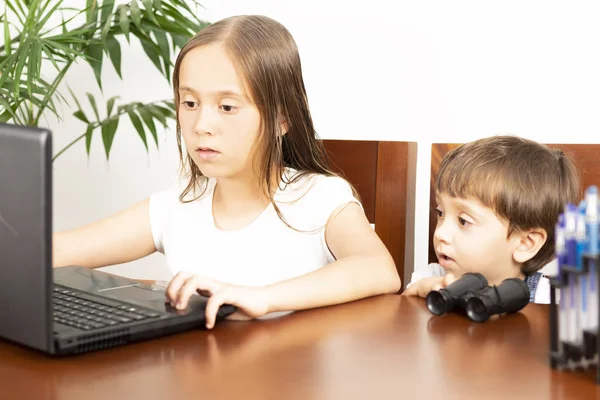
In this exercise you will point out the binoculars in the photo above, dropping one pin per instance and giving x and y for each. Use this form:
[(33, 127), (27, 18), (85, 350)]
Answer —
[(472, 294)]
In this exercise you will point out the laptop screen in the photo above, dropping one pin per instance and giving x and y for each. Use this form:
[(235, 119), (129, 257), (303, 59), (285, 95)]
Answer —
[(25, 235)]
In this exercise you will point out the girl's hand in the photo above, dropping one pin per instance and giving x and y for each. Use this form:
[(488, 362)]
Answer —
[(250, 301)]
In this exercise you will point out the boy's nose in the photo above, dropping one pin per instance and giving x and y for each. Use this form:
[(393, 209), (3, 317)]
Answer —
[(442, 233)]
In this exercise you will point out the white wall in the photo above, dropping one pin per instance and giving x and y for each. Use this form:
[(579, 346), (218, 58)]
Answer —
[(426, 71)]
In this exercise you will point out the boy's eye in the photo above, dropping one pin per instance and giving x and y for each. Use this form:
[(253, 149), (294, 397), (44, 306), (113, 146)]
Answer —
[(462, 221), (439, 213)]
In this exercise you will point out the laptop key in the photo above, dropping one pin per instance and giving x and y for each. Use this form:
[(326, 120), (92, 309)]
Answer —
[(101, 300), (149, 314), (119, 318)]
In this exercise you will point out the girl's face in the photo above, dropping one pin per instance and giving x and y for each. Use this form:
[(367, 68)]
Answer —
[(219, 123)]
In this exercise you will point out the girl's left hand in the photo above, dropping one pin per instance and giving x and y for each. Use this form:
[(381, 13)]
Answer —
[(250, 301)]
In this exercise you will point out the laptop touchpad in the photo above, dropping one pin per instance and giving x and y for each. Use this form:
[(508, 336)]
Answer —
[(151, 296)]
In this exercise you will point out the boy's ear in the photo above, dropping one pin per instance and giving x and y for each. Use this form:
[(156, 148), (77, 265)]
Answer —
[(529, 243)]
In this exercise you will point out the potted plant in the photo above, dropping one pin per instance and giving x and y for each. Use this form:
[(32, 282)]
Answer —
[(33, 42)]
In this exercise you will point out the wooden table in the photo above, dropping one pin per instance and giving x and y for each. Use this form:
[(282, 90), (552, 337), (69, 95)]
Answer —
[(383, 347)]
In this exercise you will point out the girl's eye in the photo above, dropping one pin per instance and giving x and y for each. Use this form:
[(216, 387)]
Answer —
[(227, 108), (439, 213), (463, 221), (189, 104)]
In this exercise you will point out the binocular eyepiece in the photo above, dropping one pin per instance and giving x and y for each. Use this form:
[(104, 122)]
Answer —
[(472, 294)]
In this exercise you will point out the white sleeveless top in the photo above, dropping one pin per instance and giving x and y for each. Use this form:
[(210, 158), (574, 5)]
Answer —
[(264, 252)]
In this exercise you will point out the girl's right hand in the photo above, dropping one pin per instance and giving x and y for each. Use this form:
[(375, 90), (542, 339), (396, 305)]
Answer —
[(251, 302)]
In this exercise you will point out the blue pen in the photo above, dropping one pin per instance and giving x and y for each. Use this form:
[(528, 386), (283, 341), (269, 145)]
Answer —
[(571, 242), (591, 217), (581, 284), (561, 255)]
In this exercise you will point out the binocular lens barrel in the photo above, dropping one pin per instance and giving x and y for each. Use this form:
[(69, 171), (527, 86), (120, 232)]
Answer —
[(508, 297), (447, 299)]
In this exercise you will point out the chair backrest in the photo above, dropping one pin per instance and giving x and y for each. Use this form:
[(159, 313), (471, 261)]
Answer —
[(384, 175), (585, 157)]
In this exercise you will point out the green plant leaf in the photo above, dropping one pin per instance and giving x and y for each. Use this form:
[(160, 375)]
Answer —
[(152, 52), (50, 90), (124, 21), (157, 113), (149, 10), (184, 5), (95, 52), (172, 27), (81, 116), (14, 10), (135, 120), (179, 40), (7, 49), (94, 106), (163, 43), (22, 54), (167, 112), (40, 24), (9, 112), (69, 53), (147, 117), (193, 25), (114, 52), (107, 9), (79, 35), (136, 14), (157, 4), (74, 98), (33, 69), (105, 29), (31, 16), (88, 139), (110, 104), (109, 128), (91, 11), (63, 24), (50, 56), (5, 116)]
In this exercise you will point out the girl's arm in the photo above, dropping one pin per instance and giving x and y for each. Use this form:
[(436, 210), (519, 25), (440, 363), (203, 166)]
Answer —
[(364, 267), (123, 237)]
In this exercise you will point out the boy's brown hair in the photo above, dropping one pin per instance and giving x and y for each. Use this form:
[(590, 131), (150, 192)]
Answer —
[(524, 182)]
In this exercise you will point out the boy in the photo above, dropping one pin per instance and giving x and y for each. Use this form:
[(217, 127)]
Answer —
[(498, 200)]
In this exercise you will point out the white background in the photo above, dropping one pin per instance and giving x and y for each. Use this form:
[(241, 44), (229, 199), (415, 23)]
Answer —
[(426, 71)]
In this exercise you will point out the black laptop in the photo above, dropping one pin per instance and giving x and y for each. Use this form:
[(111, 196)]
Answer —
[(67, 310)]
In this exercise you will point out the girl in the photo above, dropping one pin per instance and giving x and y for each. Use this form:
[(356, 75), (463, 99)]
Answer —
[(259, 221)]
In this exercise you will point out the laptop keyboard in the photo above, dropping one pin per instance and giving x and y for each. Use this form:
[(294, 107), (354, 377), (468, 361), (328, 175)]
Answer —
[(87, 312)]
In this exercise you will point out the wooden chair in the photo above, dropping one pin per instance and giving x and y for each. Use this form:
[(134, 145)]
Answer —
[(585, 156), (383, 174)]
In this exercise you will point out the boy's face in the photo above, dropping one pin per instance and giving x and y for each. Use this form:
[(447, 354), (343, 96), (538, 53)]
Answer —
[(469, 237)]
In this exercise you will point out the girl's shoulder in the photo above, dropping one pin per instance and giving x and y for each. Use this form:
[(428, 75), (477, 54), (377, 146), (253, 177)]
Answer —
[(309, 186), (307, 200)]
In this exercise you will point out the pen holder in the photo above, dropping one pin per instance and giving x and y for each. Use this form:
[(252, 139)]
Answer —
[(583, 351)]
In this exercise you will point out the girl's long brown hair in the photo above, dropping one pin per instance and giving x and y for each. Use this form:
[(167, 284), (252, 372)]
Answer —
[(266, 57)]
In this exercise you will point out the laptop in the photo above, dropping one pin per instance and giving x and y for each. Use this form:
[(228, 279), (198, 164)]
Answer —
[(66, 310)]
